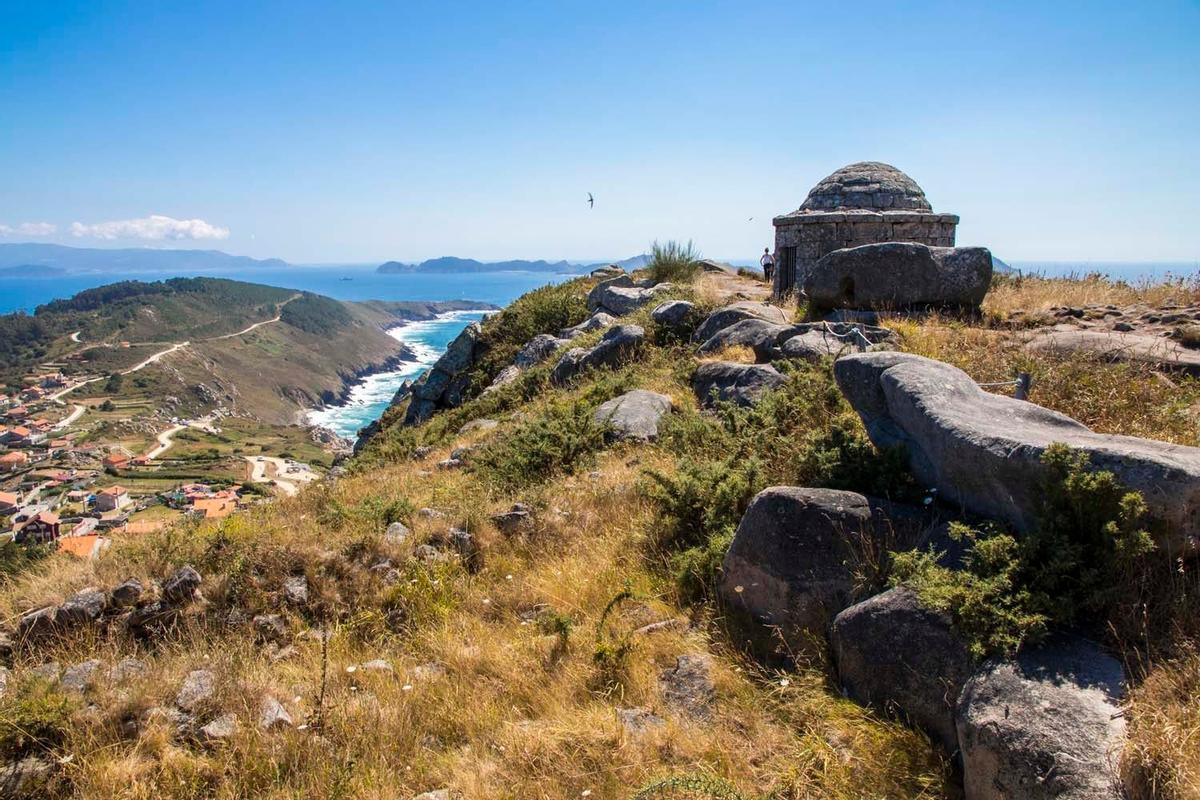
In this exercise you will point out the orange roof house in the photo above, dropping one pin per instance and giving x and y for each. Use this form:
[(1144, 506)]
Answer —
[(8, 501), (112, 498), (115, 460), (10, 462), (214, 507), (85, 547)]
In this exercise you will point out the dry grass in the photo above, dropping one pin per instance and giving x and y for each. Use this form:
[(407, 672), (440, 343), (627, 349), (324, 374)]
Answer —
[(1035, 294), (1162, 759), (515, 714)]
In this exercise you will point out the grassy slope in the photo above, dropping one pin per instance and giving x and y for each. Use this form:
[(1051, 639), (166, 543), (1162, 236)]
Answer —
[(522, 711)]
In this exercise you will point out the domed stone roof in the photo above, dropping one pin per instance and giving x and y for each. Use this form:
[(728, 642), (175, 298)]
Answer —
[(869, 185)]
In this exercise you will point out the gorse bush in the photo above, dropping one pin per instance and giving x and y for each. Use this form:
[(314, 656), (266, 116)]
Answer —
[(989, 609), (702, 499), (673, 262), (560, 439), (544, 310), (1066, 571)]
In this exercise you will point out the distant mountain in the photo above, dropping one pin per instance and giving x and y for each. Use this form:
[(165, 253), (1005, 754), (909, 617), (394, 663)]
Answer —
[(1002, 267), (452, 265), (36, 260)]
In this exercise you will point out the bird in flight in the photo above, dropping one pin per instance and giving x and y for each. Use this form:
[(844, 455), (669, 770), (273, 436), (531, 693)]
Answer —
[(591, 201)]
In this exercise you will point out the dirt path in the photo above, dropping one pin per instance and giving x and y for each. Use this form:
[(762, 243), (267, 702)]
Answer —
[(165, 441), (244, 331), (67, 420)]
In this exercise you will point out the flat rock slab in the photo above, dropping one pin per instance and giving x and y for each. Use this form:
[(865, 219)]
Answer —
[(759, 335), (736, 312), (688, 686), (817, 341), (984, 451), (789, 569), (1047, 725), (620, 296), (1115, 346), (726, 381), (634, 415), (899, 275)]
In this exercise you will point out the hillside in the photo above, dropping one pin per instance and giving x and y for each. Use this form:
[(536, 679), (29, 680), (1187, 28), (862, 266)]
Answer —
[(538, 593)]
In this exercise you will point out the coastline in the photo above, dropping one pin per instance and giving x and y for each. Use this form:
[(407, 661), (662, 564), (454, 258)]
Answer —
[(365, 398)]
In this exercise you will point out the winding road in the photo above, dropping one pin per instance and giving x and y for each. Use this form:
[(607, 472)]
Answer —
[(165, 441)]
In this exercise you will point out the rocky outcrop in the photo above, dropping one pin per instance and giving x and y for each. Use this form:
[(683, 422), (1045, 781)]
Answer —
[(983, 451), (1158, 351), (741, 384), (734, 313), (789, 569), (1045, 725), (759, 335), (820, 340), (618, 344), (634, 415), (538, 349), (445, 384), (674, 315), (896, 655), (900, 275), (595, 322), (620, 296)]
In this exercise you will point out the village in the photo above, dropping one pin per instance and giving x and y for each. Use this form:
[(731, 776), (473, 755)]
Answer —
[(75, 474)]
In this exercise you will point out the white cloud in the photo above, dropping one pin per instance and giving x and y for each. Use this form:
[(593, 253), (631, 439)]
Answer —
[(155, 227), (29, 229)]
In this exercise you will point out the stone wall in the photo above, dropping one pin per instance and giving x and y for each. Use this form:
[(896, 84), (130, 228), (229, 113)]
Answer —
[(814, 234)]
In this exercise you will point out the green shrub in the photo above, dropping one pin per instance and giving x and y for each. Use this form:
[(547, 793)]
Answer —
[(673, 261), (992, 613), (698, 568), (34, 717), (559, 440), (1068, 570), (544, 310), (703, 500)]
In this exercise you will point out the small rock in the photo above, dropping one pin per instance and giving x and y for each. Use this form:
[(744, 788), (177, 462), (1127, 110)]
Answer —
[(181, 586), (688, 686), (537, 350), (48, 671), (429, 513), (271, 628), (634, 415), (272, 714), (673, 314), (637, 721), (593, 323), (663, 625), (427, 672), (436, 794), (396, 533), (79, 677), (36, 625), (220, 729), (478, 425), (25, 778), (198, 689), (4, 674), (450, 463), (82, 608), (126, 669), (126, 595), (741, 384), (376, 665), (468, 549), (420, 453), (511, 521), (295, 590)]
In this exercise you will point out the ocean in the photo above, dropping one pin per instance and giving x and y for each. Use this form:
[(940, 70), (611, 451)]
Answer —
[(371, 397)]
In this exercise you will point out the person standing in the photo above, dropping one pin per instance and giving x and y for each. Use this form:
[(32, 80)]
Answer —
[(768, 263)]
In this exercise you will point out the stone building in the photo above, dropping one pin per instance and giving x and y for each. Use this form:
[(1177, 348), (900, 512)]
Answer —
[(863, 203)]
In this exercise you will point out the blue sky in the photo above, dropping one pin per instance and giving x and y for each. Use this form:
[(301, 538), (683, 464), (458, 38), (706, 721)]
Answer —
[(352, 132)]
